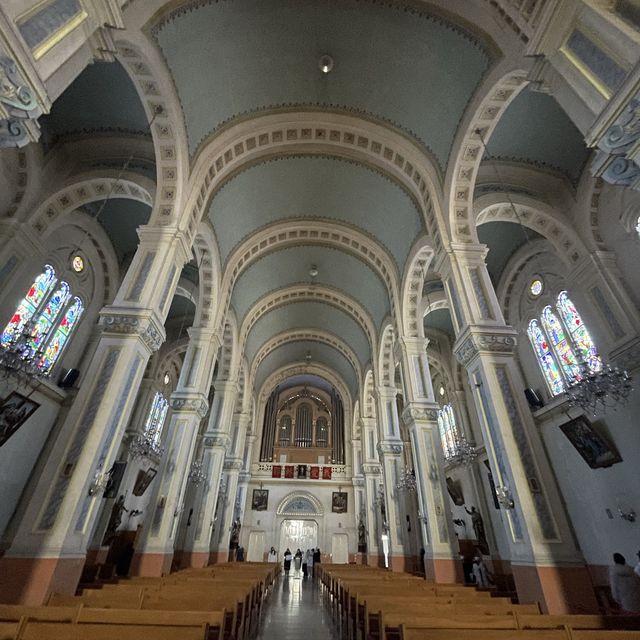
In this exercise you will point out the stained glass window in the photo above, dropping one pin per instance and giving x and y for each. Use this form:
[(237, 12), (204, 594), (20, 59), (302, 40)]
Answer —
[(47, 317), (536, 287), (448, 430), (36, 294), (561, 345), (587, 351), (545, 358), (156, 417), (61, 335)]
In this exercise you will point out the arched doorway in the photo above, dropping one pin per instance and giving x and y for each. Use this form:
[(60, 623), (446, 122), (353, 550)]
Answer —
[(300, 517)]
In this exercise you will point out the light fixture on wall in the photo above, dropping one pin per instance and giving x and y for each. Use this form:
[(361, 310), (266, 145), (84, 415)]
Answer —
[(592, 391), (143, 446), (325, 63), (18, 359), (462, 453)]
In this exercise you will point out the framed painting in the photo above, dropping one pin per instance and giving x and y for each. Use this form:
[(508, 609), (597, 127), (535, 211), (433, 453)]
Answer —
[(260, 500), (143, 481), (596, 450), (339, 502), (15, 410)]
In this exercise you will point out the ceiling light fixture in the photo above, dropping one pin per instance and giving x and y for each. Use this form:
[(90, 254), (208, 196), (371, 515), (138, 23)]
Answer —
[(313, 271), (325, 63)]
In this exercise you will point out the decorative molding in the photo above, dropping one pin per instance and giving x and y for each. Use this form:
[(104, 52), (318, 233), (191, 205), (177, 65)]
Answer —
[(146, 327), (412, 415), (191, 403), (476, 343), (389, 448), (219, 440), (19, 109), (371, 469), (233, 465)]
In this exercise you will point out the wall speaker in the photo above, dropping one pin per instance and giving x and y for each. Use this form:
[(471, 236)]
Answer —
[(68, 379), (534, 400)]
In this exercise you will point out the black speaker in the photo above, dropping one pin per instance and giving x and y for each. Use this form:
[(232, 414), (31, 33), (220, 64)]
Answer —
[(68, 379), (534, 400)]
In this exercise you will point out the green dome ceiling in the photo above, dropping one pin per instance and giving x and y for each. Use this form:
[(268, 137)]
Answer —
[(403, 66), (336, 269), (315, 187), (320, 354)]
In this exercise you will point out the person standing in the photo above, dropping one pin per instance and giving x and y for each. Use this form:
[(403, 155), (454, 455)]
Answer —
[(297, 563), (316, 556), (480, 573), (625, 584), (287, 561), (273, 555), (305, 566), (308, 561)]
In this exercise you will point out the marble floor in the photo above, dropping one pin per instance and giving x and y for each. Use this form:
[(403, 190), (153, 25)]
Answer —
[(296, 610)]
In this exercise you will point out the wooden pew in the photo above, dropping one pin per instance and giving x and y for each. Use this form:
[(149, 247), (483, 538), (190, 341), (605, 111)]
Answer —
[(10, 630), (62, 631), (412, 633)]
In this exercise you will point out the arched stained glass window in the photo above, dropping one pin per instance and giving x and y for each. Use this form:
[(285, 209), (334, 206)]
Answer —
[(587, 351), (48, 316), (156, 417), (28, 306), (61, 336), (561, 345), (449, 435), (545, 358)]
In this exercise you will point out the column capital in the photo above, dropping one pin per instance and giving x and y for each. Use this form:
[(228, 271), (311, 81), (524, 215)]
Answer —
[(469, 252), (203, 334), (132, 321), (370, 469), (416, 412), (386, 393), (156, 235), (387, 448), (412, 345), (233, 464), (475, 340), (189, 402), (217, 440), (225, 386)]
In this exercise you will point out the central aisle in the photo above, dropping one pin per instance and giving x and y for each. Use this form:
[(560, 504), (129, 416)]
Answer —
[(295, 610)]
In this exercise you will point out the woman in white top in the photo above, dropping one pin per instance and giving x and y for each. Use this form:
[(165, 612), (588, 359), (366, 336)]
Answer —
[(308, 559), (273, 555)]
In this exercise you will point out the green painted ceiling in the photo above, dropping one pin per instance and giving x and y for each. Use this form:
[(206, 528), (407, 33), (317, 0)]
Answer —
[(315, 187), (309, 315), (440, 319), (101, 98), (536, 130), (320, 354), (290, 266), (503, 240), (230, 58), (120, 218)]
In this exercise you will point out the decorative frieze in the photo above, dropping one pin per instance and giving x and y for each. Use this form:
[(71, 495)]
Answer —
[(476, 343), (128, 324), (389, 448), (412, 414), (217, 441), (191, 403)]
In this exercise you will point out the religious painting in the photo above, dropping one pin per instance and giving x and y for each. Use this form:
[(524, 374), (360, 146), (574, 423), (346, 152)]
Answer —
[(455, 491), (15, 410), (314, 473), (339, 502), (115, 478), (302, 471), (597, 451), (143, 481), (276, 471), (326, 473), (260, 500), (288, 471)]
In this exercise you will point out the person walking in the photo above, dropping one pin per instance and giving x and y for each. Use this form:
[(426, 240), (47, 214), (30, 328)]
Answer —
[(625, 584), (273, 555), (287, 561), (308, 562), (297, 563)]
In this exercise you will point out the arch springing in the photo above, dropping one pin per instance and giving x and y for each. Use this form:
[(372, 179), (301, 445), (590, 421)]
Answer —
[(43, 321), (563, 345)]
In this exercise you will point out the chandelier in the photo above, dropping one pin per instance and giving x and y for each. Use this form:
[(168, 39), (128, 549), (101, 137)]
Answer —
[(597, 391), (19, 359), (196, 474), (460, 452), (407, 480), (143, 446)]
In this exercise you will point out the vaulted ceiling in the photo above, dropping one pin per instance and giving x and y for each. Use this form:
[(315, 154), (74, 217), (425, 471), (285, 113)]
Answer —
[(410, 67)]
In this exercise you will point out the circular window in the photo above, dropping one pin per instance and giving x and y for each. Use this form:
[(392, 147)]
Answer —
[(77, 262), (166, 378), (536, 287)]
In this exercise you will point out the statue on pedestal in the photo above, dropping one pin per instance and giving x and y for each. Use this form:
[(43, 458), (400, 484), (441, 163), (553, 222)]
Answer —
[(478, 528), (362, 537)]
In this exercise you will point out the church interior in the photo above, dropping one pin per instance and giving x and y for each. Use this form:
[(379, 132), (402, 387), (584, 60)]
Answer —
[(360, 277)]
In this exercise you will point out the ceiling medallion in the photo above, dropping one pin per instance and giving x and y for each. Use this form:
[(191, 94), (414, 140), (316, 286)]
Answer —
[(325, 63)]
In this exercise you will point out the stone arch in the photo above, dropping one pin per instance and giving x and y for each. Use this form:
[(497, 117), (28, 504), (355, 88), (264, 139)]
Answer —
[(157, 94), (304, 293), (436, 300), (415, 271), (83, 191), (386, 368), (368, 393), (295, 500), (169, 358), (332, 234), (206, 252), (383, 149), (228, 350), (302, 334), (536, 215), (483, 116)]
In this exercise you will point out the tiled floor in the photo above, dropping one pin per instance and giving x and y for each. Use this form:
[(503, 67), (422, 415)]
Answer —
[(296, 610)]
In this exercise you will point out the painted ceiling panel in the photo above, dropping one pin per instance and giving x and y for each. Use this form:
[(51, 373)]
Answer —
[(101, 98), (290, 266), (535, 129), (309, 315), (503, 240), (409, 68), (315, 187), (320, 353)]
